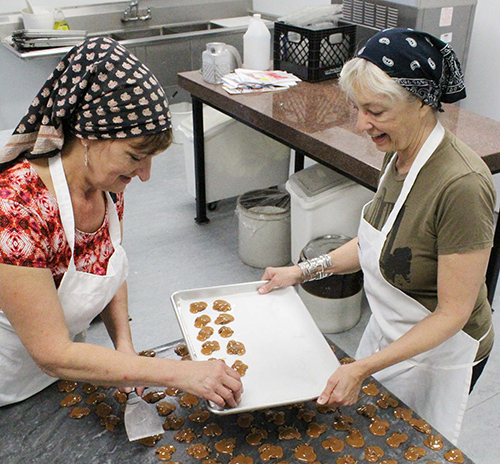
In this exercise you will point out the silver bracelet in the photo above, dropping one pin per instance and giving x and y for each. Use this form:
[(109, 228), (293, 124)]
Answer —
[(316, 268)]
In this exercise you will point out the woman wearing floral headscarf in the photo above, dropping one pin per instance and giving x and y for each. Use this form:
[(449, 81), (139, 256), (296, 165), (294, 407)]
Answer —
[(94, 126), (424, 241)]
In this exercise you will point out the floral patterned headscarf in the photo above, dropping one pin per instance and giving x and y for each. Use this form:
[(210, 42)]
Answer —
[(421, 63), (99, 90)]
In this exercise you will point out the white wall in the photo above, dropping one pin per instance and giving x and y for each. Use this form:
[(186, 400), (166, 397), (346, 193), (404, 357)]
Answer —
[(15, 6), (483, 65), (280, 7)]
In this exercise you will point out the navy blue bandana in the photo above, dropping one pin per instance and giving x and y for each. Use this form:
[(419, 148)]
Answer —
[(99, 90), (422, 64)]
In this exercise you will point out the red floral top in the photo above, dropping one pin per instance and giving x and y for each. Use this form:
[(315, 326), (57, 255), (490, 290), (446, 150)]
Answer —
[(31, 232)]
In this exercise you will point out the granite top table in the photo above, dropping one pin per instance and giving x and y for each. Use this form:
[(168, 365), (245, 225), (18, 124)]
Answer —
[(39, 430), (317, 121)]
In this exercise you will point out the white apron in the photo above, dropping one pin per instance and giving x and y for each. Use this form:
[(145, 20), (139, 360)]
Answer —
[(82, 295), (435, 384)]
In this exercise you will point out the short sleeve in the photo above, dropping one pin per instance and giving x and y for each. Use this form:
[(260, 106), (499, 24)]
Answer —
[(465, 219), (23, 236)]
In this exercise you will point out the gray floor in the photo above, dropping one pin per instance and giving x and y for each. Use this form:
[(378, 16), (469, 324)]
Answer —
[(169, 252)]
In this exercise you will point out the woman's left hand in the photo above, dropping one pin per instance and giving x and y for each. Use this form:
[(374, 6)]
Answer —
[(343, 386)]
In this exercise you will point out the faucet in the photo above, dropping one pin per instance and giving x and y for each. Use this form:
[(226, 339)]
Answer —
[(132, 13)]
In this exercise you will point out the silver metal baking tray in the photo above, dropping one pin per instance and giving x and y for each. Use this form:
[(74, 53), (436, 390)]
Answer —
[(289, 361)]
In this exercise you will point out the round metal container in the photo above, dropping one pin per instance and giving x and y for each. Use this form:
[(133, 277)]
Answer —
[(335, 301)]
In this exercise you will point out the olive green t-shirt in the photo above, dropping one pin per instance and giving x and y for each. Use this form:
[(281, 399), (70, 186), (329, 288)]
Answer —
[(449, 210)]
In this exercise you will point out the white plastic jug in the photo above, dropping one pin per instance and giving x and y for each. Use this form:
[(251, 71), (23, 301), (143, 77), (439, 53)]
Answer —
[(218, 60), (257, 45)]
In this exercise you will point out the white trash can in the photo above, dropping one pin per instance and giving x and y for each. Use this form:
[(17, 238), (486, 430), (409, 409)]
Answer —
[(323, 202), (179, 111), (335, 301), (238, 159), (264, 227)]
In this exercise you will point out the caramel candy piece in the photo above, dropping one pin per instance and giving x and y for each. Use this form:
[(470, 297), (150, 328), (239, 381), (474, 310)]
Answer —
[(403, 413), (387, 400), (154, 396), (342, 423), (240, 367), (373, 453), (305, 453), (172, 391), (95, 398), (256, 436), (150, 441), (334, 444), (70, 400), (414, 452), (348, 459), (89, 388), (198, 450), (226, 445), (164, 453), (148, 353), (110, 422), (347, 360), (226, 331), (314, 430), (269, 451), (223, 319), (379, 427), (173, 422), (370, 389), (276, 417), (245, 420), (241, 459), (355, 438), (181, 350), (288, 433), (367, 410), (165, 408), (103, 409), (188, 400), (202, 321), (78, 412), (199, 416), (197, 307), (307, 415), (212, 430), (66, 386), (120, 397), (221, 305), (205, 333), (434, 442), (186, 435), (209, 347), (420, 424), (234, 347), (454, 455), (396, 439)]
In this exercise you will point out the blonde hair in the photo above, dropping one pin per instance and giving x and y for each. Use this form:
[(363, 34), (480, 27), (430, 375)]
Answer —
[(361, 77)]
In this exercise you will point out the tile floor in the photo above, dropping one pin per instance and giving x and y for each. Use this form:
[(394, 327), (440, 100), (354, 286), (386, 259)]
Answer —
[(169, 252)]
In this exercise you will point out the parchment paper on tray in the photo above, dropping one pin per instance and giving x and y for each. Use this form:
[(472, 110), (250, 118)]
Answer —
[(288, 358)]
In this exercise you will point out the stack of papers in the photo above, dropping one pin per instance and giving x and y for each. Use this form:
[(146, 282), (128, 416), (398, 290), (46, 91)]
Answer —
[(251, 81)]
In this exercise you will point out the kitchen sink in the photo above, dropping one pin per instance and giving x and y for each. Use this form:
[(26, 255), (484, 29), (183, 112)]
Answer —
[(155, 31)]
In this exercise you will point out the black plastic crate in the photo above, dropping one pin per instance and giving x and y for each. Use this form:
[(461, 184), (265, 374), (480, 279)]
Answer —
[(310, 54)]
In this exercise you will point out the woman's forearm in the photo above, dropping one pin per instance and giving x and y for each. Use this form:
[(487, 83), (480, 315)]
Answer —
[(116, 319)]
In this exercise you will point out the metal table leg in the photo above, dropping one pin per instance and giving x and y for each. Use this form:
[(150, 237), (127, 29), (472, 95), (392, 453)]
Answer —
[(199, 162)]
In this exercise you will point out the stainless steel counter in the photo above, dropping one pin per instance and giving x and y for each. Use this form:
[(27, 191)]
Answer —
[(40, 430)]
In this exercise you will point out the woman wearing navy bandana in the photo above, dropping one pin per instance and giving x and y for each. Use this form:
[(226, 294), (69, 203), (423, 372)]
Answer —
[(95, 125), (424, 241)]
